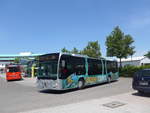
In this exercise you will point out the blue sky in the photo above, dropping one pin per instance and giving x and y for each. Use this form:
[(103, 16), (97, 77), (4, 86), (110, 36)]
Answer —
[(44, 26)]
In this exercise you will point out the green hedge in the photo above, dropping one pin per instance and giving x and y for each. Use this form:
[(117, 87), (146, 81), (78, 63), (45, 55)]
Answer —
[(128, 71)]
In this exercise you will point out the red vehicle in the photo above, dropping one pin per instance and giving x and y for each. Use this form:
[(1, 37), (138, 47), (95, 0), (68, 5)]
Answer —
[(13, 72)]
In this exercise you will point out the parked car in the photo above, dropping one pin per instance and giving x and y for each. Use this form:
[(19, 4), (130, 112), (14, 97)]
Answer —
[(141, 81)]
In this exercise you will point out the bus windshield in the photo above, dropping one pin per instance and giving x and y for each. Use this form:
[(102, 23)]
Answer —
[(48, 67), (13, 69)]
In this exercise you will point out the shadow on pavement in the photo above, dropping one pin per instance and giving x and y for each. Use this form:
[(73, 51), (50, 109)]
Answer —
[(14, 80), (48, 91), (142, 94)]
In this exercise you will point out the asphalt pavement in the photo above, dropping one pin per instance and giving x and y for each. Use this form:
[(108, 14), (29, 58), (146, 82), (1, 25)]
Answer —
[(23, 96), (123, 103)]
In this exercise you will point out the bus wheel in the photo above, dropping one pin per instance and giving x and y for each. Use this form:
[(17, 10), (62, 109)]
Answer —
[(81, 84), (108, 79), (140, 92)]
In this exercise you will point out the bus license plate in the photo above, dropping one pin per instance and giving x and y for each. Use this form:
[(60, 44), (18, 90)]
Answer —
[(143, 83)]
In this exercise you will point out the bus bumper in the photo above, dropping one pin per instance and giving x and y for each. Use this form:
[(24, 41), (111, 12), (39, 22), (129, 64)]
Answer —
[(13, 77), (48, 84)]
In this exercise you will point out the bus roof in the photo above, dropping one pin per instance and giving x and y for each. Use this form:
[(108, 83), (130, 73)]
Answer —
[(76, 55)]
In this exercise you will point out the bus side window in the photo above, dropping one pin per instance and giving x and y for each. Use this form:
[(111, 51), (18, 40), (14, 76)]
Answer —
[(115, 66), (90, 67), (108, 67), (66, 67), (94, 67), (80, 66), (112, 66), (73, 65), (99, 65)]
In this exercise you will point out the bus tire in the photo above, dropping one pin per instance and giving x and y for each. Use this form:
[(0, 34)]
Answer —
[(109, 79), (140, 92), (81, 84)]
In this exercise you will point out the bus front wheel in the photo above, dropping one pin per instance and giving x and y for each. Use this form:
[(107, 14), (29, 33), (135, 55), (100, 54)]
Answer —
[(81, 84)]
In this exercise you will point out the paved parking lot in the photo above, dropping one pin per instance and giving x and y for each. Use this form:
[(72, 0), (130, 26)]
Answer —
[(127, 103), (26, 81), (23, 96)]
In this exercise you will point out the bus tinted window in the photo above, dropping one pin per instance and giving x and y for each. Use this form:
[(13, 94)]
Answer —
[(104, 67), (94, 67), (13, 69), (48, 57), (70, 65), (112, 66), (80, 66), (48, 66)]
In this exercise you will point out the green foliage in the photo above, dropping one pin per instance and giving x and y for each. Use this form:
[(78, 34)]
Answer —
[(75, 51), (114, 43), (64, 50), (91, 50), (148, 54), (17, 60), (119, 45), (128, 71)]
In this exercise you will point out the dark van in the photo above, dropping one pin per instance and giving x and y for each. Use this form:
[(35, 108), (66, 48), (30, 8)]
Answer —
[(141, 81)]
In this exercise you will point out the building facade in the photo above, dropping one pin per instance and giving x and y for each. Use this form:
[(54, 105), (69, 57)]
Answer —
[(10, 58), (136, 61)]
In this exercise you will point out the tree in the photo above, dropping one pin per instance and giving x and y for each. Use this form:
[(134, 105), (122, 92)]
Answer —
[(132, 52), (119, 45), (75, 51), (17, 60), (148, 54), (64, 50), (130, 49), (92, 50)]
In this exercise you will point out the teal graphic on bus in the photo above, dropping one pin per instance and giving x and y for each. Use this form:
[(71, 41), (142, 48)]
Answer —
[(61, 71)]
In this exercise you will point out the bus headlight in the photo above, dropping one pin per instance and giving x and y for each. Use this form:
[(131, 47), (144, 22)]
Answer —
[(55, 85)]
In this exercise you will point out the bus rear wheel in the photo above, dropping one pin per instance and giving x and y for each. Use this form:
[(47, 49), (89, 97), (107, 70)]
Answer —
[(81, 84)]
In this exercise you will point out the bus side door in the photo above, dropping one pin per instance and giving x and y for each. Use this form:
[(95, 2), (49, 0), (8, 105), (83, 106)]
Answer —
[(95, 71), (104, 70)]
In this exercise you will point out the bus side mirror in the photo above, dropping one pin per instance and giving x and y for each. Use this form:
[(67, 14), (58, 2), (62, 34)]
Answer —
[(63, 63), (7, 70)]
